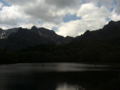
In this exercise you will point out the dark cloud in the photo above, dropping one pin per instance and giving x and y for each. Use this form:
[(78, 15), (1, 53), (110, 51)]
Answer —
[(117, 10), (19, 2), (63, 3)]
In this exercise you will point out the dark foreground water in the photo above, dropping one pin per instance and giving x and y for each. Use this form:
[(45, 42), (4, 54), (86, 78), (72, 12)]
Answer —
[(59, 76)]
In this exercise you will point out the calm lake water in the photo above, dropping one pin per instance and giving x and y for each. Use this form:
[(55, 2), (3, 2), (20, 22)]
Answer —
[(57, 76)]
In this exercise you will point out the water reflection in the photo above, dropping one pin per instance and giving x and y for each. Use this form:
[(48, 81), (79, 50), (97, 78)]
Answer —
[(65, 86), (57, 76)]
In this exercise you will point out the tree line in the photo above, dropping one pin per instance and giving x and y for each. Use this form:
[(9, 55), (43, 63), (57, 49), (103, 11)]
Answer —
[(74, 52)]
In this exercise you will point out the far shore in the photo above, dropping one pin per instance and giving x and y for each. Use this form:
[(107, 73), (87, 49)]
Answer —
[(94, 63)]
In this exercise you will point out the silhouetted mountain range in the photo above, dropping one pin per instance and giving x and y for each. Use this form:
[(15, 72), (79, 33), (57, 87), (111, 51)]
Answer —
[(110, 33), (43, 45), (19, 38)]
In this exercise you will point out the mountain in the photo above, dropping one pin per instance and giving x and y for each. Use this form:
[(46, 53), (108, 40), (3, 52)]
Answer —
[(43, 45), (5, 33), (110, 33), (19, 38), (102, 46), (51, 35)]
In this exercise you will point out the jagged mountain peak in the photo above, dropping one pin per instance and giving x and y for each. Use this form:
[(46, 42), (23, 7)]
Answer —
[(112, 24), (34, 27), (47, 31), (23, 38), (22, 29), (87, 32), (110, 33)]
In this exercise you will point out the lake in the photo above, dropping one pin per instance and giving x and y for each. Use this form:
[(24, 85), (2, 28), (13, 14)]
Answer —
[(59, 76)]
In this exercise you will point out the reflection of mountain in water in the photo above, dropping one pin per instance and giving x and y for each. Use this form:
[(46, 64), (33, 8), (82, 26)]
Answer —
[(35, 77)]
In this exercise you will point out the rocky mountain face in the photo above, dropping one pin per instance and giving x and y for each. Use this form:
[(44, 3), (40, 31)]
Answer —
[(20, 38), (5, 33), (51, 35)]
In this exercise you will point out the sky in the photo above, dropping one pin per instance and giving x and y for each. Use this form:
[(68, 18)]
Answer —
[(65, 17)]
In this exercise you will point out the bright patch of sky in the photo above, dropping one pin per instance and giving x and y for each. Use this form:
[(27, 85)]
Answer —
[(54, 28), (69, 17), (108, 19), (65, 17)]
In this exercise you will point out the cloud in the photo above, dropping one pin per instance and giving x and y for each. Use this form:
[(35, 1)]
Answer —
[(115, 17), (92, 1), (70, 28), (32, 11), (64, 3), (9, 15), (47, 10), (78, 27), (1, 4), (45, 24), (19, 2), (92, 18), (50, 13), (107, 3), (117, 9), (58, 3), (90, 12)]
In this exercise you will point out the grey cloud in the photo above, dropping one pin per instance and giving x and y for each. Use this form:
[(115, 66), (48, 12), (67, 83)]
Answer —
[(51, 13), (1, 4), (57, 3), (49, 10), (37, 9), (93, 1), (40, 12), (34, 9), (107, 3), (117, 10), (18, 2), (12, 22), (63, 3)]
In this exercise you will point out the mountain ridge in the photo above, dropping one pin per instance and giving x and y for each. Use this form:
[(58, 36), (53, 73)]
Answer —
[(20, 38), (107, 34)]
